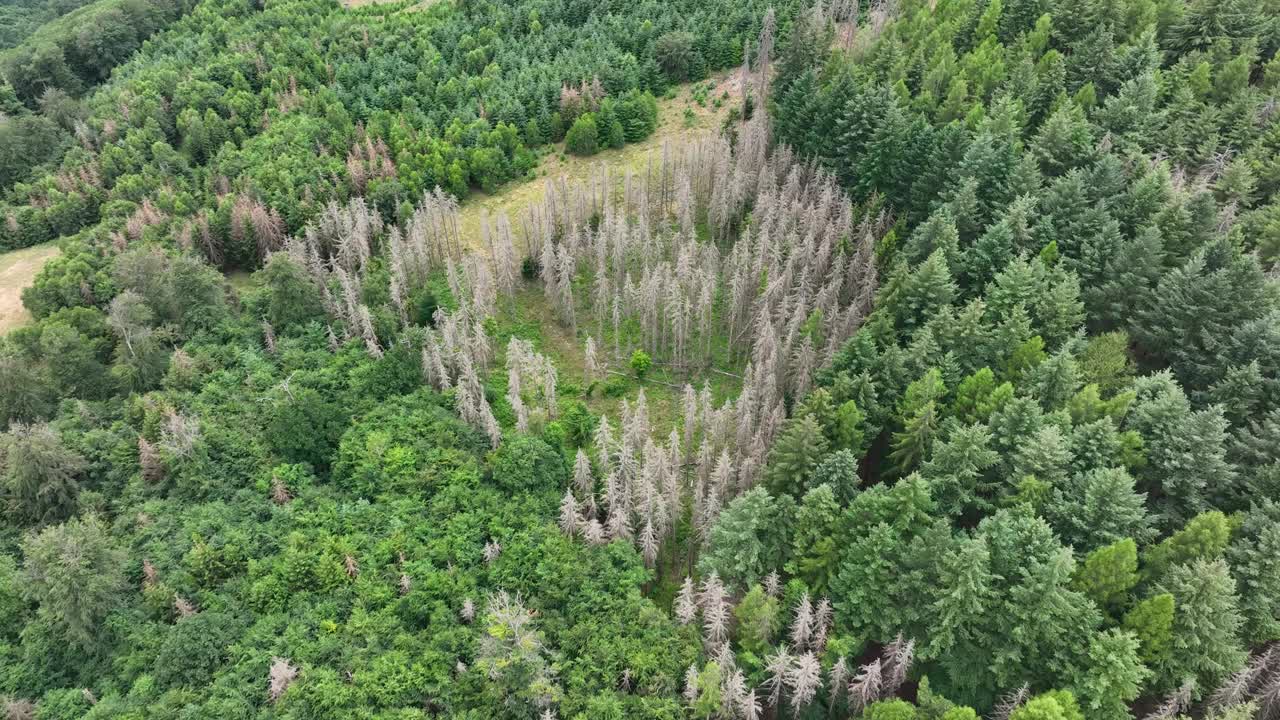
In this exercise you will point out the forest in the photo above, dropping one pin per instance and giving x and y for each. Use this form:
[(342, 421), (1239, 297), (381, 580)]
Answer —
[(939, 379)]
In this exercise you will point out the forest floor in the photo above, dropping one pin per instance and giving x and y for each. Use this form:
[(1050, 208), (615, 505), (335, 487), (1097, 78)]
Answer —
[(686, 110), (17, 271), (530, 316)]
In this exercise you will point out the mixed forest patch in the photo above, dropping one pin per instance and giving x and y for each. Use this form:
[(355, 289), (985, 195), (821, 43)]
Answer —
[(475, 359)]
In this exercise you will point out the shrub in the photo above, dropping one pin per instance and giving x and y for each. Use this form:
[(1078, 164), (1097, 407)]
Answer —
[(584, 137), (641, 362)]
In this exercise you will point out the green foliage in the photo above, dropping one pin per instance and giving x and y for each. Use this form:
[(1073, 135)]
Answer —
[(1255, 563), (1109, 573), (1070, 359), (814, 553), (41, 475), (527, 464), (292, 295), (194, 649), (675, 54), (1053, 705), (20, 19), (977, 397), (925, 291), (1205, 639), (57, 56), (749, 539), (640, 363), (1151, 620), (1065, 141), (75, 573), (1204, 538), (584, 137), (795, 456), (839, 471), (26, 143), (758, 621), (959, 470), (1115, 676), (890, 710), (919, 414), (1099, 508)]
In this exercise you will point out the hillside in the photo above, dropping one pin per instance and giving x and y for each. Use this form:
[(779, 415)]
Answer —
[(693, 359)]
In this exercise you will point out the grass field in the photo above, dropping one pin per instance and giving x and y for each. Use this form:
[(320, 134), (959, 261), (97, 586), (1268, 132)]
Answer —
[(17, 271)]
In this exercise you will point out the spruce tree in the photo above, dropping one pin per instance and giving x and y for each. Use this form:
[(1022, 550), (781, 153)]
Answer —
[(1064, 141), (923, 292), (1254, 557), (1113, 678), (41, 475), (814, 552), (795, 455), (1205, 645), (1099, 508), (920, 418)]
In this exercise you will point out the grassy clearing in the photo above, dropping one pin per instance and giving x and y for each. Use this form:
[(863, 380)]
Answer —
[(531, 317), (686, 110), (17, 271), (241, 280)]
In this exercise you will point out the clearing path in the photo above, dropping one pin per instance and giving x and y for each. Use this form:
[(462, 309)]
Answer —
[(17, 271)]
